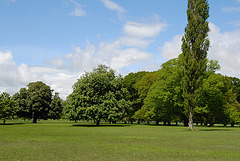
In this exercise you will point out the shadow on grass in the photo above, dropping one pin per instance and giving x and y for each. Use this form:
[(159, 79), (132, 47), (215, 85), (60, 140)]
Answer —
[(1, 124), (215, 130), (101, 125)]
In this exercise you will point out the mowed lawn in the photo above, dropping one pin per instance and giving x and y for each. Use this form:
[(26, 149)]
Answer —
[(64, 140)]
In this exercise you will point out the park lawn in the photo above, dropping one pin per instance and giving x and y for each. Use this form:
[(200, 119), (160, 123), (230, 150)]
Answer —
[(64, 140)]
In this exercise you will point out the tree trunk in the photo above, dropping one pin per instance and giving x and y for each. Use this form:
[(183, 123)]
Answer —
[(232, 124), (34, 118), (97, 122), (125, 120), (169, 123), (4, 121), (157, 122), (34, 121), (185, 122), (191, 121)]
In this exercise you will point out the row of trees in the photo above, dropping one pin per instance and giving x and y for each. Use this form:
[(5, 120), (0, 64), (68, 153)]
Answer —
[(142, 96), (35, 102), (162, 99)]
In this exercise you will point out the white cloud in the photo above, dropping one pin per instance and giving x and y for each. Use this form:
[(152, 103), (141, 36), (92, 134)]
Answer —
[(127, 50), (134, 42), (12, 76), (122, 54), (140, 35), (172, 49), (81, 60), (57, 62), (78, 11), (117, 57), (112, 5), (143, 30), (225, 48)]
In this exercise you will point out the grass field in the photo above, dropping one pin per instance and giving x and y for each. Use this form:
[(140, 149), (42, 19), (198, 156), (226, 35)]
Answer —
[(64, 140)]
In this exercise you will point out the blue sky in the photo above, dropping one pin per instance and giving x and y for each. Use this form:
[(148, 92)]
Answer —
[(55, 41)]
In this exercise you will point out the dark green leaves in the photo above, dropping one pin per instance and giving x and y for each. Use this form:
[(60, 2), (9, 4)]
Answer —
[(98, 95)]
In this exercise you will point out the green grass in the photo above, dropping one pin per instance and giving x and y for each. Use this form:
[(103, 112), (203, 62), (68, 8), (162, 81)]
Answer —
[(64, 140)]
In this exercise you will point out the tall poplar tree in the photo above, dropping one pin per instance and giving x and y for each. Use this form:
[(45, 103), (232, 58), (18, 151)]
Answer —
[(195, 45)]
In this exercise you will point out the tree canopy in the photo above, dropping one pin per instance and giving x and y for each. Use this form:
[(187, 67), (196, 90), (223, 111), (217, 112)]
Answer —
[(7, 107), (98, 95)]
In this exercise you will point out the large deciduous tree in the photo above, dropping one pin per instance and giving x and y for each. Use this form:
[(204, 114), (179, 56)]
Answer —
[(56, 107), (39, 100), (21, 99), (129, 82), (7, 107), (165, 95), (98, 95), (195, 45), (34, 101)]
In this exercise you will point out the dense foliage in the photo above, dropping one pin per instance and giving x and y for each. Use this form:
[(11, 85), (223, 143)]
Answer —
[(138, 85), (36, 102), (98, 95), (7, 107)]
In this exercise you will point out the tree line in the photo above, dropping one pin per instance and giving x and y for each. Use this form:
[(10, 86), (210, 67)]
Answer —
[(102, 95), (34, 102), (158, 96), (186, 89)]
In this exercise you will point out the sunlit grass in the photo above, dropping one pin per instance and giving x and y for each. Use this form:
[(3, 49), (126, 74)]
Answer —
[(64, 140)]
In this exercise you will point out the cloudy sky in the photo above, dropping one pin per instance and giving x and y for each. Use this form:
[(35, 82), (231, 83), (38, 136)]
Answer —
[(56, 41)]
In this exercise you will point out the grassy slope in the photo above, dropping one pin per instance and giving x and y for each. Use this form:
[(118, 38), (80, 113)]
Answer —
[(63, 141)]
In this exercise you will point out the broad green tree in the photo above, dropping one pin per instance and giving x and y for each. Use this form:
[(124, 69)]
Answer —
[(129, 82), (21, 99), (39, 100), (143, 85), (211, 96), (211, 102), (231, 104), (56, 107), (195, 45), (236, 86), (165, 95), (7, 107), (98, 95)]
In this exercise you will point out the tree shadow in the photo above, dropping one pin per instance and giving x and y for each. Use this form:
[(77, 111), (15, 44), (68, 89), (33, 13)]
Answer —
[(101, 125), (1, 124), (215, 130)]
